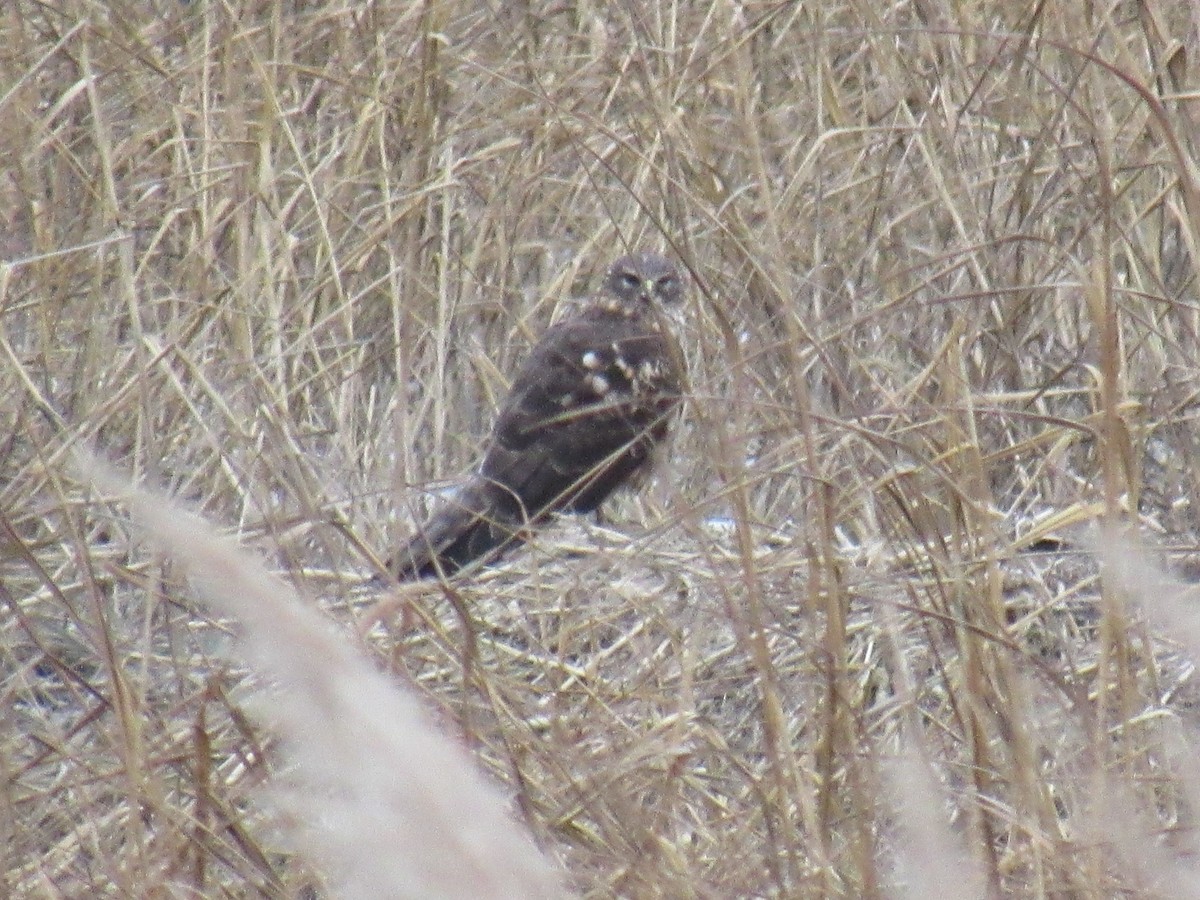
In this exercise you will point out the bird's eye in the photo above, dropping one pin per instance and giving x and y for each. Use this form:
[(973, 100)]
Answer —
[(666, 282), (630, 280)]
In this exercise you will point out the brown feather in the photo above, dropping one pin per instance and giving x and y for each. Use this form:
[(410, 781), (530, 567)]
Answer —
[(583, 417)]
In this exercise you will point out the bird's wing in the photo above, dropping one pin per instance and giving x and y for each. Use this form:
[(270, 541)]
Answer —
[(583, 414)]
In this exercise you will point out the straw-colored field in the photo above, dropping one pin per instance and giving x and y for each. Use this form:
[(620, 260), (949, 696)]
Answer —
[(862, 636)]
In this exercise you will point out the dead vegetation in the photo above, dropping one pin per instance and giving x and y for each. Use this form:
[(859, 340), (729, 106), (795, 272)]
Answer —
[(277, 260)]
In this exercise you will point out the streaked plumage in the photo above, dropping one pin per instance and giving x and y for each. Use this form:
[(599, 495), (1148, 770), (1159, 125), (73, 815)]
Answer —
[(583, 417)]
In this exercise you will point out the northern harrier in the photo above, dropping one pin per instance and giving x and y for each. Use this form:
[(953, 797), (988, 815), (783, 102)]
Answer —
[(583, 417)]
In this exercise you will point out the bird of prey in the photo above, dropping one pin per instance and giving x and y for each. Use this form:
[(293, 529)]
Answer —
[(583, 417)]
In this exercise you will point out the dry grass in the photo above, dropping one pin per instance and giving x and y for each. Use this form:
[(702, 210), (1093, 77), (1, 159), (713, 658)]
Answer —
[(279, 259)]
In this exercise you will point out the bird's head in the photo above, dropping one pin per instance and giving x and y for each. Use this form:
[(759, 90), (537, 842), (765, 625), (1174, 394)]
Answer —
[(644, 278)]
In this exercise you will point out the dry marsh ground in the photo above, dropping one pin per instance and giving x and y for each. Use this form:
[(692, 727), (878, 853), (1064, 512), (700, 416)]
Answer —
[(864, 636)]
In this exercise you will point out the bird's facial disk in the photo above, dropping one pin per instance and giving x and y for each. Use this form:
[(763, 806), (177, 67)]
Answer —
[(644, 277)]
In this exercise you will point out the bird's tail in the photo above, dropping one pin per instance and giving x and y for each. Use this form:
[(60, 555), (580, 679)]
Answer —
[(473, 525)]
